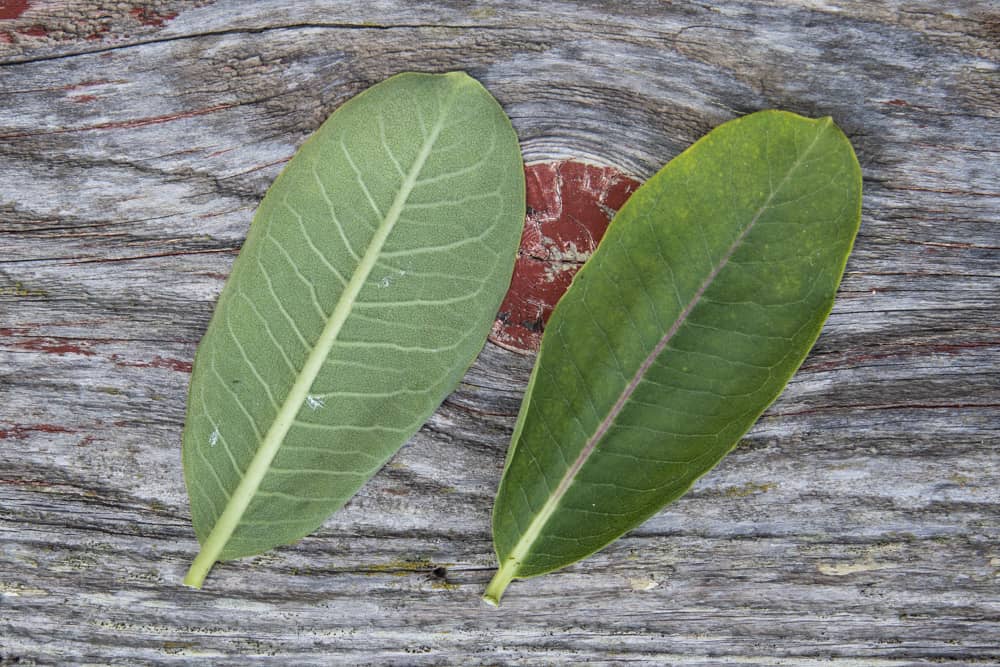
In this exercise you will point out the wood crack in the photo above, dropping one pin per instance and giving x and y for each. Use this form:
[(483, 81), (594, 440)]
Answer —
[(255, 31)]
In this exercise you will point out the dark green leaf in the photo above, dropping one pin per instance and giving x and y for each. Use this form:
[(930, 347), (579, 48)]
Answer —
[(704, 297)]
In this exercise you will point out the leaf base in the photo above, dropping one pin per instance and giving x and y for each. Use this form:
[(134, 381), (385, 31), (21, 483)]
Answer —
[(499, 583)]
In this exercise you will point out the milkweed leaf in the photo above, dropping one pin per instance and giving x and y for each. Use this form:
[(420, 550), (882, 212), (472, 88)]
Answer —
[(368, 282), (705, 295)]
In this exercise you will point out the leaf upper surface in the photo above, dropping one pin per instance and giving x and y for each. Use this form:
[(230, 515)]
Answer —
[(367, 284), (701, 301)]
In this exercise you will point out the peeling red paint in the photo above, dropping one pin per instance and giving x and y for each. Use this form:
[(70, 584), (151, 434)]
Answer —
[(140, 122), (34, 31), (90, 83), (12, 9), (6, 37), (52, 346), (172, 364), (570, 204), (21, 431), (149, 16), (157, 362)]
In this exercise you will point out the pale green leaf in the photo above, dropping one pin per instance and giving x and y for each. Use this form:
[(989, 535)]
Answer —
[(702, 300), (367, 285)]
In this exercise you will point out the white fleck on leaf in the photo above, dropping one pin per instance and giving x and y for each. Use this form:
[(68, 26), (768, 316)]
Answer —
[(314, 403)]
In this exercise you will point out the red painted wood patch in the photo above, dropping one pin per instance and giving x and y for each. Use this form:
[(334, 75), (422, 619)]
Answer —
[(12, 9), (570, 204)]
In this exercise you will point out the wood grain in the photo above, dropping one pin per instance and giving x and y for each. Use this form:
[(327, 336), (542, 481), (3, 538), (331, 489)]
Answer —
[(857, 524)]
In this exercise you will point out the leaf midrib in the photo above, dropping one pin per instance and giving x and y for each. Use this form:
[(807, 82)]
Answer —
[(250, 483), (523, 546)]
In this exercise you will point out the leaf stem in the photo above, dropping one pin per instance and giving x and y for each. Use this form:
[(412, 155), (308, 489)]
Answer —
[(499, 582), (200, 567)]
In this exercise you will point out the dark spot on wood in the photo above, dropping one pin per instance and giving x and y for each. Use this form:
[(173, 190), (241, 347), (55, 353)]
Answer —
[(535, 325), (82, 99), (897, 103), (569, 206), (12, 9)]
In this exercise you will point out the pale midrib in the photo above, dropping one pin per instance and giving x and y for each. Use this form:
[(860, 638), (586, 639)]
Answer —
[(530, 536), (285, 418)]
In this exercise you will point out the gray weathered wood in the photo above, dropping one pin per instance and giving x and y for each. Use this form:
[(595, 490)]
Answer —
[(859, 522)]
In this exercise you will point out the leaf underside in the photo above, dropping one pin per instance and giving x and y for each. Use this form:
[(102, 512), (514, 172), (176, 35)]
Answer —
[(703, 298), (367, 284)]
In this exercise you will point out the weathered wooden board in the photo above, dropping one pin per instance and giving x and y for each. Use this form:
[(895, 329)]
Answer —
[(859, 522)]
